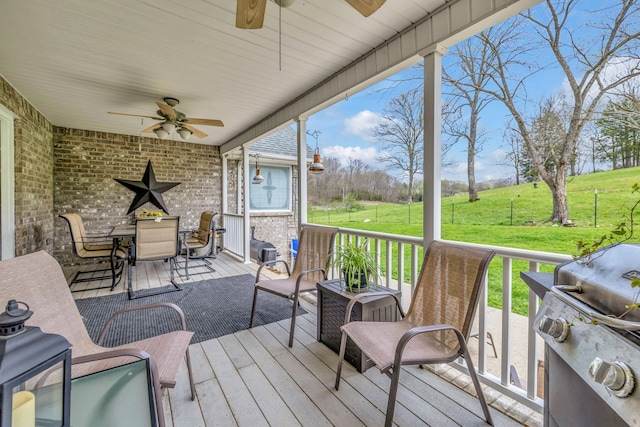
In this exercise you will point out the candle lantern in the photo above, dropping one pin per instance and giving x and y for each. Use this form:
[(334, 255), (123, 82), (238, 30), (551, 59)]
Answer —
[(35, 372)]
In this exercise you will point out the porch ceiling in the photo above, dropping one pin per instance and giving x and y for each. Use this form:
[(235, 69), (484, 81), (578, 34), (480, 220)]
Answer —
[(76, 60)]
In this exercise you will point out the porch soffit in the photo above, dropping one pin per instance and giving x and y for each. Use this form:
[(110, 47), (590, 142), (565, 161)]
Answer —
[(453, 22)]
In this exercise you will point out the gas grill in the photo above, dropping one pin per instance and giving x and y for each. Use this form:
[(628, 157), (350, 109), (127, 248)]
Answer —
[(592, 351)]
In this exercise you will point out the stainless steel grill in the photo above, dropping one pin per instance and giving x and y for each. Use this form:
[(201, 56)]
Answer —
[(592, 344)]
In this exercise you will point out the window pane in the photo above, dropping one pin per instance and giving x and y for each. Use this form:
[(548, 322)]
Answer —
[(274, 193)]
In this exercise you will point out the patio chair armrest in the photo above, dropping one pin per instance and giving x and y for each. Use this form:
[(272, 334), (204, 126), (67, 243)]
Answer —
[(305, 272), (286, 264), (355, 299), (169, 305), (417, 330)]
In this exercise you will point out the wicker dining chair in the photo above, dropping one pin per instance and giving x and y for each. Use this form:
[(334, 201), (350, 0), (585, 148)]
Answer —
[(437, 325), (314, 249), (96, 247), (38, 280)]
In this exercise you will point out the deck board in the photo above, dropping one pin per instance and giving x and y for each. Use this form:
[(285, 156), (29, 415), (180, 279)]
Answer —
[(251, 378)]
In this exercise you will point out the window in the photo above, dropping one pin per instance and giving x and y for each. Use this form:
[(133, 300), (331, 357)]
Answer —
[(272, 194)]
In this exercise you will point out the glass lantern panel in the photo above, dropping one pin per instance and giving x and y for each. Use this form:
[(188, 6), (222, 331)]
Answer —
[(39, 400)]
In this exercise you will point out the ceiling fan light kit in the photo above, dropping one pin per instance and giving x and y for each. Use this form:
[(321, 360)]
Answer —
[(161, 133), (184, 133), (169, 127), (173, 120)]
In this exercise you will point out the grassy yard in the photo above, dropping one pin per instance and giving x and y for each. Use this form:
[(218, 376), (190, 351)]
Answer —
[(511, 217)]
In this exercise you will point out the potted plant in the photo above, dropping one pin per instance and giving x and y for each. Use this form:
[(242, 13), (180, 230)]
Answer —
[(356, 265)]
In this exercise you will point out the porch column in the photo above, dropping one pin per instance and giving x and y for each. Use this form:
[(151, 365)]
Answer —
[(225, 185), (431, 197), (302, 171), (245, 205)]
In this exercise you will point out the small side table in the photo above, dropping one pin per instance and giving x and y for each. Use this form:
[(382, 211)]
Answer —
[(332, 305)]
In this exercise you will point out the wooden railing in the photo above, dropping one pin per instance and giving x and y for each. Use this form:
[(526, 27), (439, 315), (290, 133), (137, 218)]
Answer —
[(234, 236)]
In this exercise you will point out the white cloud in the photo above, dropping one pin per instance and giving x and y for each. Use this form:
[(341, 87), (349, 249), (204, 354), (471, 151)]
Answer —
[(363, 124), (367, 155)]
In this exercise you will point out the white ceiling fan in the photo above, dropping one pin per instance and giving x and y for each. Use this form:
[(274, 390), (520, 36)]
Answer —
[(250, 13), (173, 119)]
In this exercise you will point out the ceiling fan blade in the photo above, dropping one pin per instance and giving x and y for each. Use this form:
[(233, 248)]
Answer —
[(136, 115), (151, 128), (203, 122), (250, 14), (196, 132), (366, 7), (167, 110)]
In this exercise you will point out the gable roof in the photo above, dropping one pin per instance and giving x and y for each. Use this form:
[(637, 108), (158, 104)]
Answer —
[(282, 144)]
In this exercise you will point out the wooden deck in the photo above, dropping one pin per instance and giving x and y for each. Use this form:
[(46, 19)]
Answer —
[(251, 378)]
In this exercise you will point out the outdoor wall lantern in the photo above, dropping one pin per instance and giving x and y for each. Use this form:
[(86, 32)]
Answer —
[(35, 372), (258, 178), (316, 167)]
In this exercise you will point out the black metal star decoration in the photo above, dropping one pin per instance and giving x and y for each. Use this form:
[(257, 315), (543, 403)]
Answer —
[(148, 190)]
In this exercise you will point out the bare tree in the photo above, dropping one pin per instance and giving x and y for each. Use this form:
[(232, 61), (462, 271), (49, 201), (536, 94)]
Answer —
[(464, 78), (586, 63), (401, 135), (514, 152)]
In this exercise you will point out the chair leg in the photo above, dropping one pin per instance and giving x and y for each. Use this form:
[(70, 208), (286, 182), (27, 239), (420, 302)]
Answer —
[(393, 392), (253, 306), (129, 285), (189, 370), (293, 320), (476, 382), (343, 349)]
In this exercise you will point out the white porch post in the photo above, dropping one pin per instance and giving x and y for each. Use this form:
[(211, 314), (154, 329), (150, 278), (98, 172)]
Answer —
[(302, 171), (245, 204), (432, 143), (225, 185)]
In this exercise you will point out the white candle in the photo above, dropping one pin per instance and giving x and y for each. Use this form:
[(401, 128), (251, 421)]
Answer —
[(24, 409)]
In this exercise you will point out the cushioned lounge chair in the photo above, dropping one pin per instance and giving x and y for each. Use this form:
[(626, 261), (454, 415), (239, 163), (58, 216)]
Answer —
[(37, 279), (437, 325), (314, 249)]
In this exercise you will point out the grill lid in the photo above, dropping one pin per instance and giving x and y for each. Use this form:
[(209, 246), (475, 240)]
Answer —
[(605, 282)]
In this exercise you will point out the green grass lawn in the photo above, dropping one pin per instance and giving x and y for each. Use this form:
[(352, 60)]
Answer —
[(511, 217)]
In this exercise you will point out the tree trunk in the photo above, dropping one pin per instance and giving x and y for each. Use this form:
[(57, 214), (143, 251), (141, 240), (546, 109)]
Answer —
[(471, 153), (558, 186)]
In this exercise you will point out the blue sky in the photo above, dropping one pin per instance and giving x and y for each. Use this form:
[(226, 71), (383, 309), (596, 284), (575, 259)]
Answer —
[(346, 127)]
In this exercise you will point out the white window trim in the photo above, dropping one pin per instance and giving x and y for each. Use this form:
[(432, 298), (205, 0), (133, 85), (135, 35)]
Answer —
[(7, 184), (277, 211)]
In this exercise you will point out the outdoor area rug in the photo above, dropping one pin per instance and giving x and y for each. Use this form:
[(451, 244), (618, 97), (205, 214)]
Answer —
[(212, 308)]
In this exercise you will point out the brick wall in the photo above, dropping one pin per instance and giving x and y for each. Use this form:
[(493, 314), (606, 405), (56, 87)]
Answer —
[(33, 164), (86, 163)]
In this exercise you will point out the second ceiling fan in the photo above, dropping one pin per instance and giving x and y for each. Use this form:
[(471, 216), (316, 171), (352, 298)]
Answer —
[(250, 13)]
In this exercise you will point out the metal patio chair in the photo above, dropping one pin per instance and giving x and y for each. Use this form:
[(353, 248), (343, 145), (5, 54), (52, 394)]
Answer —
[(156, 239), (437, 325), (201, 245), (315, 246), (97, 247)]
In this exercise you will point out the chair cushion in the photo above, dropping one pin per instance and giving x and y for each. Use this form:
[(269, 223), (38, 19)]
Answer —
[(378, 340)]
